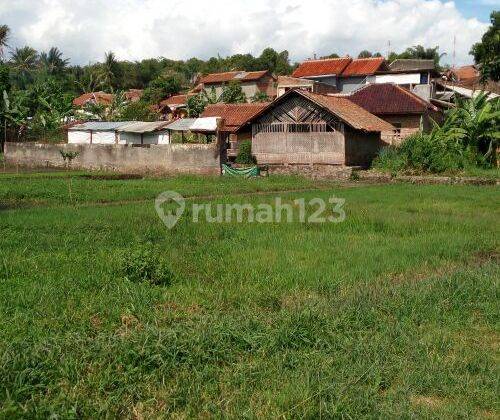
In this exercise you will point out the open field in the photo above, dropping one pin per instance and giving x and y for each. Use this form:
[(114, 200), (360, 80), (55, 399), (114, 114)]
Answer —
[(392, 313)]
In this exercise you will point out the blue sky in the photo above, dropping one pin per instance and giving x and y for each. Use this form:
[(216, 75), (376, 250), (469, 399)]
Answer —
[(480, 9)]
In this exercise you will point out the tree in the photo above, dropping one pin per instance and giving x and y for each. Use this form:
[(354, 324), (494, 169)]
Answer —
[(487, 52), (165, 85), (109, 71), (333, 55), (365, 54), (277, 63), (4, 38), (196, 104), (53, 62), (232, 93), (419, 52), (24, 62), (138, 111)]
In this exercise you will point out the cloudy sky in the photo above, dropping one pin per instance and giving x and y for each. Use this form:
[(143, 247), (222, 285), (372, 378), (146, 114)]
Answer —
[(180, 29)]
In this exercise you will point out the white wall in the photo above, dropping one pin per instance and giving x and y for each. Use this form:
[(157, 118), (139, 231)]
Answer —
[(103, 137), (78, 137), (398, 79), (160, 137)]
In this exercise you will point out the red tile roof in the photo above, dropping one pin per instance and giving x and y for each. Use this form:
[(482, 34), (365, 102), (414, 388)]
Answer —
[(175, 100), (101, 98), (245, 76), (466, 72), (364, 66), (133, 94), (234, 115), (323, 67), (354, 115), (387, 98)]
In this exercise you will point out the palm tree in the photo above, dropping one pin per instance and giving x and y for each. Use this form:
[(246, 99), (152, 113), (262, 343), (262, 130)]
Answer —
[(109, 70), (53, 61), (4, 37), (24, 59)]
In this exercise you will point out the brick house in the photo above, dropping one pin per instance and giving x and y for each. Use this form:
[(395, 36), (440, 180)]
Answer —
[(252, 82), (404, 110)]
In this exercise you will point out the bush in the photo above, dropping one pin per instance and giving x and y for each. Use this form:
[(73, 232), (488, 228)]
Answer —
[(390, 159), (145, 265), (245, 153)]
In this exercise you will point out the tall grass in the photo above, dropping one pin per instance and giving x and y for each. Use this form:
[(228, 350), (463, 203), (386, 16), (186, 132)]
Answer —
[(392, 313)]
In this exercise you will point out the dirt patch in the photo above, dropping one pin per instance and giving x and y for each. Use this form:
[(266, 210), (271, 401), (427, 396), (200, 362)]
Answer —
[(426, 401), (483, 257), (129, 323)]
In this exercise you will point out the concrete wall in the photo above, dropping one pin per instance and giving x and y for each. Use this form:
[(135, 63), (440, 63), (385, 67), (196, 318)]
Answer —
[(360, 147), (299, 148), (349, 84), (169, 158)]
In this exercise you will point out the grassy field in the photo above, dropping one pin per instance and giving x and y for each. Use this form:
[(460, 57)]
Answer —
[(392, 313)]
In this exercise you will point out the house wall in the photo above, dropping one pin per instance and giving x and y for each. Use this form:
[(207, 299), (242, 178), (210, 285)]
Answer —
[(361, 147), (168, 158), (410, 124), (299, 148), (349, 84), (265, 84), (397, 78), (328, 80), (98, 137)]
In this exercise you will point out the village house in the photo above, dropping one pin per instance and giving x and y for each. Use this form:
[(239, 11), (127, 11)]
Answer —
[(348, 74), (103, 98), (404, 110), (122, 132), (173, 107), (252, 82), (234, 128), (286, 83), (96, 98), (303, 128)]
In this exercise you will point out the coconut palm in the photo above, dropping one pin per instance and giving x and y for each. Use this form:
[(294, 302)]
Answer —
[(109, 70), (24, 61), (53, 61), (4, 37)]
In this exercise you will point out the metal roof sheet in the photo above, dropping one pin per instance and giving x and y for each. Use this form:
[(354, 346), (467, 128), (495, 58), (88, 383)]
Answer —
[(99, 125), (142, 127), (183, 124)]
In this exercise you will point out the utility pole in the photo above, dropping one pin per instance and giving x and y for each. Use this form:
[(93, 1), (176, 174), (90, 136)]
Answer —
[(388, 49), (454, 50)]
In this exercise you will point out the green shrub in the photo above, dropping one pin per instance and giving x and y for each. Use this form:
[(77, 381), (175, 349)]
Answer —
[(245, 153), (145, 265), (389, 158)]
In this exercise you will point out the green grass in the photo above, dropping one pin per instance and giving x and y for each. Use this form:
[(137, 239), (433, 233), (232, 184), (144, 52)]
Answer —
[(392, 313)]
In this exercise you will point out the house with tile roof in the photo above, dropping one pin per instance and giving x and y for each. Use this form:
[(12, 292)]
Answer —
[(234, 127), (348, 74), (252, 82), (303, 128), (403, 109), (345, 73)]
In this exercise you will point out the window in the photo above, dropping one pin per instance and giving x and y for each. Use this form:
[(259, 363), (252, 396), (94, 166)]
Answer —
[(424, 78), (397, 125)]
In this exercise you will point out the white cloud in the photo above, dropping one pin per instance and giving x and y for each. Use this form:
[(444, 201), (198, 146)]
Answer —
[(179, 29)]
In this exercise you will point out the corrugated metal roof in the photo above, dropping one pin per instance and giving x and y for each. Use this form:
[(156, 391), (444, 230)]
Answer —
[(402, 64), (183, 124), (142, 127), (204, 124), (99, 125)]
